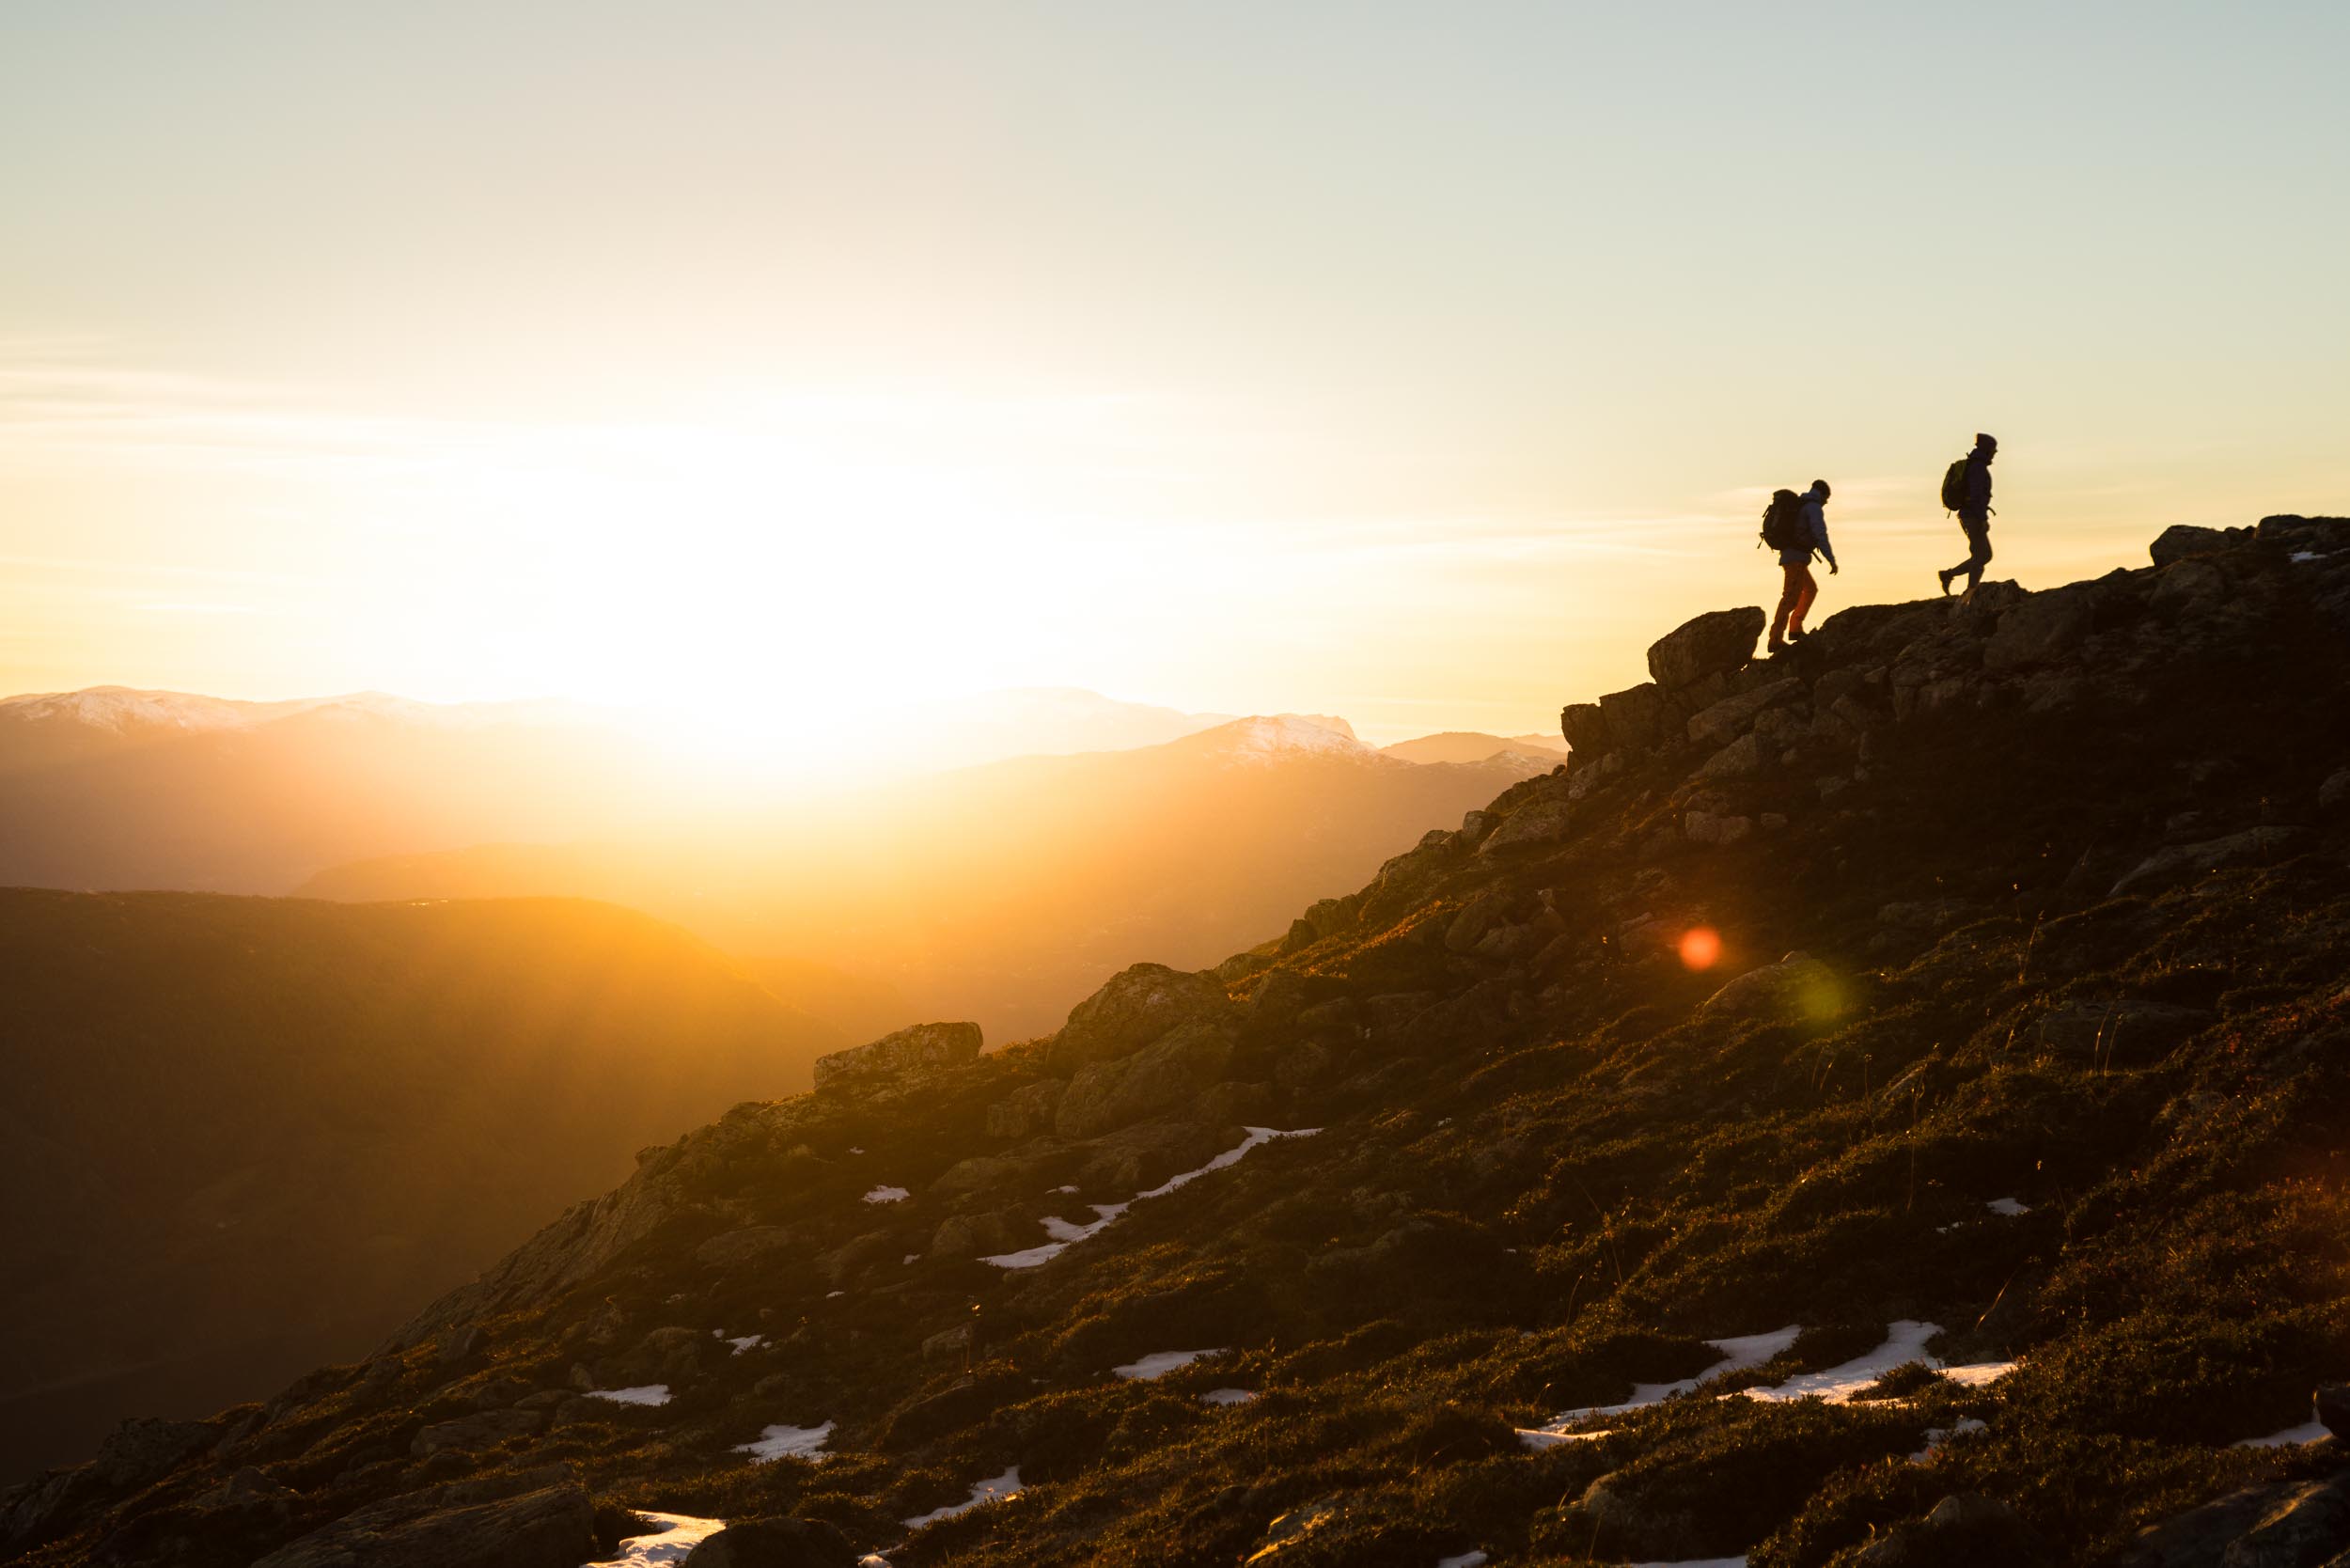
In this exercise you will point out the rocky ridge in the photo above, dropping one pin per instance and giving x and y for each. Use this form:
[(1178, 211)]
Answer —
[(1968, 979)]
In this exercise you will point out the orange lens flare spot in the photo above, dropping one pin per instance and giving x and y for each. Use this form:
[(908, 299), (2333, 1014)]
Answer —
[(1701, 947)]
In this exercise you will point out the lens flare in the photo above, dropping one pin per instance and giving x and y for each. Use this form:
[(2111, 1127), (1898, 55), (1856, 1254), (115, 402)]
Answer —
[(1701, 946)]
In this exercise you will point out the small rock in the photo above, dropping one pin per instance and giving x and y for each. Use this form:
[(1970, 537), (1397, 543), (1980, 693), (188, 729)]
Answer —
[(2334, 794), (2331, 1406)]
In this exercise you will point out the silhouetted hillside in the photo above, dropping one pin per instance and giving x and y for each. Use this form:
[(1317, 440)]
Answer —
[(241, 1135), (1883, 1105)]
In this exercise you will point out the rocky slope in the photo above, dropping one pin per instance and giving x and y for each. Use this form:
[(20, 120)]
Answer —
[(1884, 1105)]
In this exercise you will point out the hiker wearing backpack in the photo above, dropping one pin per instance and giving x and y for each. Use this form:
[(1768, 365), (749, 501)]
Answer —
[(1796, 527), (1967, 491)]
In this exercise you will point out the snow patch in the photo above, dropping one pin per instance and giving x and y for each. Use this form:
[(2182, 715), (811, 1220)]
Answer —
[(651, 1393), (1256, 742), (2291, 1438), (1066, 1235), (1537, 1438), (1160, 1362), (2299, 555), (1227, 1396), (746, 1341), (789, 1442), (673, 1539), (1005, 1485), (1739, 1354), (2007, 1206), (1694, 1562), (1465, 1560), (887, 1195), (1905, 1342)]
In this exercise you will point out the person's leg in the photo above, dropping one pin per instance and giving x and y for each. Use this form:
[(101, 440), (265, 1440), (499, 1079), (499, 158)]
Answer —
[(1787, 595), (1978, 554), (1806, 589)]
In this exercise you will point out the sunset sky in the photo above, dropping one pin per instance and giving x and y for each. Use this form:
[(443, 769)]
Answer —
[(1417, 363)]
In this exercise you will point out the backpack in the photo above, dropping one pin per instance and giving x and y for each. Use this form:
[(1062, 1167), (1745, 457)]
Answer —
[(1954, 486), (1782, 522)]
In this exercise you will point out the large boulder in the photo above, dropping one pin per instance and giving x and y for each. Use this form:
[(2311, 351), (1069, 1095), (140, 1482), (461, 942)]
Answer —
[(1715, 643), (2185, 862), (776, 1543), (1162, 1075), (463, 1525), (1638, 716), (1585, 729), (2182, 539), (923, 1049), (1137, 1006), (1797, 985)]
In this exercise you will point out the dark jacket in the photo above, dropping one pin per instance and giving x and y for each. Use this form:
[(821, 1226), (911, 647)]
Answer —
[(1977, 507)]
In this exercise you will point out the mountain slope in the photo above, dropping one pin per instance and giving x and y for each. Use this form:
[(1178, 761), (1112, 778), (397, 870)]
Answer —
[(1467, 745), (243, 1135), (1006, 892), (111, 788), (2041, 1143)]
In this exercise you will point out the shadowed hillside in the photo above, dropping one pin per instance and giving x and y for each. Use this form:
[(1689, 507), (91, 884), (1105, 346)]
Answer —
[(245, 1135), (1884, 1105)]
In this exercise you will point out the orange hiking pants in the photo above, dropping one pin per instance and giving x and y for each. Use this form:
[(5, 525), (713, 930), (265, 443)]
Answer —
[(1794, 601)]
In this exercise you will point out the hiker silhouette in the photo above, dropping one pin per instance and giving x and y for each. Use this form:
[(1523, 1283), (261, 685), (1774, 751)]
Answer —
[(1796, 527), (1967, 491)]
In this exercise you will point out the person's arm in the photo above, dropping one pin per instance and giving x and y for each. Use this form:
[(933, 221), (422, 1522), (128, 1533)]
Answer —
[(1819, 535), (1978, 486)]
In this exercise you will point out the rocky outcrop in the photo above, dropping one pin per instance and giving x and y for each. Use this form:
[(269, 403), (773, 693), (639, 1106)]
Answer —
[(1138, 1005), (910, 1052), (2182, 539), (465, 1525), (470, 1433), (1715, 643), (2300, 1524), (1160, 1076)]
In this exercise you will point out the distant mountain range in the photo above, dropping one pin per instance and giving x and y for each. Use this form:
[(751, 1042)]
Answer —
[(1013, 889), (1467, 745), (984, 883), (242, 1134)]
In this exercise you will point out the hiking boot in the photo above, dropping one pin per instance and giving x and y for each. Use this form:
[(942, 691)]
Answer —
[(1795, 635), (1776, 645), (1944, 578)]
